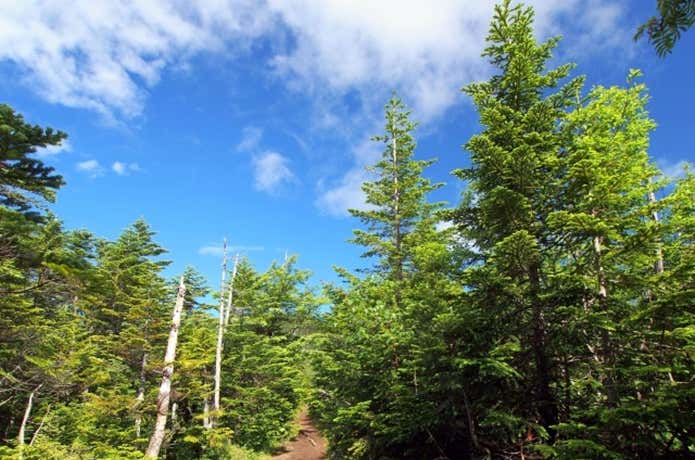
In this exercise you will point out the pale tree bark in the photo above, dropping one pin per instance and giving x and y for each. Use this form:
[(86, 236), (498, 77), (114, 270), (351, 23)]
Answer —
[(230, 294), (38, 430), (25, 419), (659, 266), (206, 414), (397, 218), (174, 411), (165, 387), (600, 274), (220, 341), (659, 253), (140, 399), (607, 351)]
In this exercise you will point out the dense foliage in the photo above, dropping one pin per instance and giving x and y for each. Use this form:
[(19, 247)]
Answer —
[(548, 315), (554, 319), (84, 323)]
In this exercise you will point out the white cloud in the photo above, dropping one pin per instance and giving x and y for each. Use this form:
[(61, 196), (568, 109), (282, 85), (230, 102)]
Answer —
[(123, 169), (672, 169), (250, 139), (90, 167), (119, 168), (105, 55), (270, 171), (425, 53), (443, 225), (218, 250), (232, 249), (211, 250), (53, 150), (347, 194)]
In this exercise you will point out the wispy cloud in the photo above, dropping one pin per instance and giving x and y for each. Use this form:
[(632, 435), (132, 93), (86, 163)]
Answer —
[(672, 168), (250, 139), (104, 55), (90, 167), (271, 171), (123, 169), (218, 250), (443, 225), (53, 150), (347, 194)]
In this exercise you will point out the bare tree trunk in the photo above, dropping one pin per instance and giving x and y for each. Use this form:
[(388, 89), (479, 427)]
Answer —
[(141, 396), (38, 430), (220, 341), (174, 409), (230, 295), (206, 414), (607, 351), (600, 274), (165, 387), (659, 253), (397, 218), (25, 418)]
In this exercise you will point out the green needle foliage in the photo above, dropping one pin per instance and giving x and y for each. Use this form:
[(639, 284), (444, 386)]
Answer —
[(23, 178), (550, 314)]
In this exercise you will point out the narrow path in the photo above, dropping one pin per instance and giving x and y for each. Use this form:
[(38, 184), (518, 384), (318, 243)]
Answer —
[(308, 445)]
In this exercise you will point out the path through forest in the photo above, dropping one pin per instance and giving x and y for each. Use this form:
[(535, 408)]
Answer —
[(308, 445)]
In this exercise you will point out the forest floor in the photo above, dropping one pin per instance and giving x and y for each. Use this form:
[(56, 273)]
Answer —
[(307, 445)]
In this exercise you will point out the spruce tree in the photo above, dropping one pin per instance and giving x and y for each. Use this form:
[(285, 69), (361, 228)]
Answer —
[(514, 159), (397, 199)]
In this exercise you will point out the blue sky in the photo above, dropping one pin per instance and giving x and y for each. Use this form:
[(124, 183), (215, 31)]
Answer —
[(251, 120)]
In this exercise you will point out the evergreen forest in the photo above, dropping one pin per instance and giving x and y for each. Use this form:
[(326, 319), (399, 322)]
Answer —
[(549, 314)]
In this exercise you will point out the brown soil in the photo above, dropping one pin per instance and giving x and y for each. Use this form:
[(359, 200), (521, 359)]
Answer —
[(308, 445)]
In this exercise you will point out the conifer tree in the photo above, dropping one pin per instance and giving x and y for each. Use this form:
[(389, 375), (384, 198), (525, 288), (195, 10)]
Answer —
[(22, 177), (513, 160), (396, 199)]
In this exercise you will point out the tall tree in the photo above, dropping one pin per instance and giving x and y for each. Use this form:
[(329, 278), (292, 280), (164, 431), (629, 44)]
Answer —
[(604, 211), (513, 160), (396, 199), (384, 388)]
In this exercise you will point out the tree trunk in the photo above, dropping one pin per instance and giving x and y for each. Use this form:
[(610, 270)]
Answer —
[(25, 418), (397, 219), (220, 342), (38, 430), (230, 295), (165, 388), (606, 346), (659, 267), (547, 406), (141, 396), (206, 413)]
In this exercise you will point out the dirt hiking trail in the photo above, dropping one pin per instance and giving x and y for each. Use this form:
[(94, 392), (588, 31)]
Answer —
[(308, 445)]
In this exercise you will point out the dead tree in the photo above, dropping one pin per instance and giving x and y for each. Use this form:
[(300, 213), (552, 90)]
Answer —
[(220, 341), (165, 387)]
